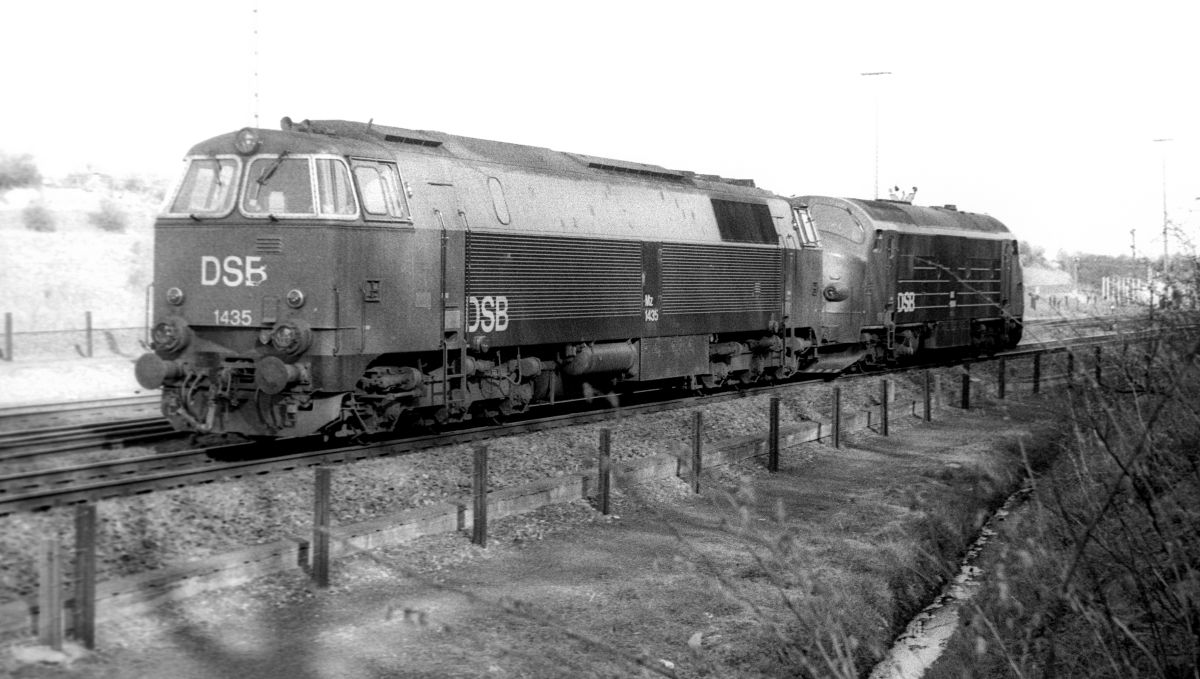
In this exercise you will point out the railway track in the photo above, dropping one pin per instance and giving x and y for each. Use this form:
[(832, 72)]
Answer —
[(15, 413), (42, 441), (31, 491), (100, 480)]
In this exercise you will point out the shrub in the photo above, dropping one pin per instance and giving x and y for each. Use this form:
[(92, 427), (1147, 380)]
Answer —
[(110, 217), (18, 171), (38, 217)]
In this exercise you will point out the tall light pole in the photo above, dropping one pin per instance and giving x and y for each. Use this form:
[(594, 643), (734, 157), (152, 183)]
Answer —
[(877, 73), (1164, 198)]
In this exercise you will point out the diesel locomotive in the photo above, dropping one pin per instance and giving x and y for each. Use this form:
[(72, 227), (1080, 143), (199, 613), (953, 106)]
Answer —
[(340, 278), (902, 280)]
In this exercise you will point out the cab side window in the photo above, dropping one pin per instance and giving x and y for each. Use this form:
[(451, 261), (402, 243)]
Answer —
[(380, 189), (333, 188)]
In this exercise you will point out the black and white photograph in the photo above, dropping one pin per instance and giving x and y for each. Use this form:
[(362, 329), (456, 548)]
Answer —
[(627, 339)]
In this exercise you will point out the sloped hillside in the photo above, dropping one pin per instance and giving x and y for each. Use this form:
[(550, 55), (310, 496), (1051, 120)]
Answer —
[(49, 279)]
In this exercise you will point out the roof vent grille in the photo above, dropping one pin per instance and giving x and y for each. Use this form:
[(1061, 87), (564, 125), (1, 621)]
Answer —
[(411, 140)]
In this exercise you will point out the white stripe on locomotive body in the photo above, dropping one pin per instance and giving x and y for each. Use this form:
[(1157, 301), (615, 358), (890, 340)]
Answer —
[(964, 281), (956, 306)]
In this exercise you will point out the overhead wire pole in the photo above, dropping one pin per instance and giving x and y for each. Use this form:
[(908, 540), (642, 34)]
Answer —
[(877, 73), (254, 38), (1164, 202)]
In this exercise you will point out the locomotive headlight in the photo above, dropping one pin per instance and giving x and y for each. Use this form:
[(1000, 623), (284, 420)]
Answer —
[(175, 296), (171, 336), (284, 337), (295, 299), (247, 141), (835, 292), (292, 337)]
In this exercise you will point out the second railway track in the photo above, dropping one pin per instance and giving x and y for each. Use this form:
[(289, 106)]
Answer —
[(35, 442)]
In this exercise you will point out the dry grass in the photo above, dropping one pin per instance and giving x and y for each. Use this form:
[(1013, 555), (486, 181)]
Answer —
[(1100, 575)]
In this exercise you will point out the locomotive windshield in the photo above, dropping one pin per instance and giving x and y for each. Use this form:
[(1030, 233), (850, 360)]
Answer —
[(283, 186), (836, 221), (208, 187)]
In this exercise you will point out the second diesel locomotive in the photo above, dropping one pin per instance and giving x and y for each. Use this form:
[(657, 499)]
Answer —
[(338, 278), (901, 280)]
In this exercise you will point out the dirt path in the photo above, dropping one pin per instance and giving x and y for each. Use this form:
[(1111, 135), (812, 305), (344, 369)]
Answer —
[(729, 583)]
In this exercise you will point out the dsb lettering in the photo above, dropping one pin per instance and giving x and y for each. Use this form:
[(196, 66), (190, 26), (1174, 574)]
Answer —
[(232, 271), (487, 314)]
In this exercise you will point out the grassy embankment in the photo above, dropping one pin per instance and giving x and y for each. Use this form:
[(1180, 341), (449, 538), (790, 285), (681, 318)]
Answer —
[(1100, 575)]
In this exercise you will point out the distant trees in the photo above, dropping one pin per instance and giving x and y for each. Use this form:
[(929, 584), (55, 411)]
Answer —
[(1033, 255), (18, 171)]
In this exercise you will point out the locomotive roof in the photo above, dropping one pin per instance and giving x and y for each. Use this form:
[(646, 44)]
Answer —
[(354, 138), (907, 217)]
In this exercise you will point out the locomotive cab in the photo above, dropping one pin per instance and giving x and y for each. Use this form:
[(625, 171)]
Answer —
[(252, 303)]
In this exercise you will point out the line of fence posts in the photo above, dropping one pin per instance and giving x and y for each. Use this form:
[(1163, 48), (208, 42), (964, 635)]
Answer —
[(50, 604), (87, 350)]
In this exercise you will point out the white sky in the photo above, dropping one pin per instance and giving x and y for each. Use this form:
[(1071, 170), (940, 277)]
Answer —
[(1039, 113)]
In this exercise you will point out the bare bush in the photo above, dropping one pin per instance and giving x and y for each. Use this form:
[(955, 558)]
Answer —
[(38, 217), (1100, 576), (18, 171), (110, 217)]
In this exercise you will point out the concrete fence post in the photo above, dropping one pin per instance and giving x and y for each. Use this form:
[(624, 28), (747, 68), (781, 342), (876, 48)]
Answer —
[(773, 441), (479, 484), (87, 319), (84, 613), (50, 617), (1001, 379), (966, 386), (321, 501), (883, 407), (8, 336), (837, 417), (928, 397), (604, 487)]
